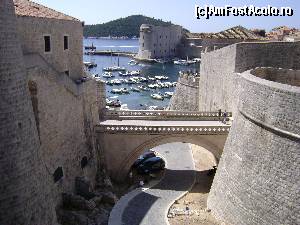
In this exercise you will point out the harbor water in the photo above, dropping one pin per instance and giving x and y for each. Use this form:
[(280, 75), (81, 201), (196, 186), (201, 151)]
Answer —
[(134, 100)]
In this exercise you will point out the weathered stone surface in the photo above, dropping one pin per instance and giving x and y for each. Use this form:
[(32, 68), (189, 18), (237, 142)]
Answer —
[(255, 181), (77, 202), (83, 187), (24, 186), (186, 94), (97, 199), (109, 197), (67, 217), (100, 216)]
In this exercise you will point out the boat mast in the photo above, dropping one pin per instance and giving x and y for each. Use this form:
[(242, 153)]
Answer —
[(118, 60)]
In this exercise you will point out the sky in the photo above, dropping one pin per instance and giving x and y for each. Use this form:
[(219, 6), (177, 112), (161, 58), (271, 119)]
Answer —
[(181, 12)]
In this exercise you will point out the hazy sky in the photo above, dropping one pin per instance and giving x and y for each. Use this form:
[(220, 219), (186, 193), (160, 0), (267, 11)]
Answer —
[(180, 12)]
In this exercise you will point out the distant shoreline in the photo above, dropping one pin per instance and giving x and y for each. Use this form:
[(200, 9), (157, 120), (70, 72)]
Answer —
[(113, 38)]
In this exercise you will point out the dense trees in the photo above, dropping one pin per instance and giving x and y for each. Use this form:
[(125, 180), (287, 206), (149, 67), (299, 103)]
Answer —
[(128, 26)]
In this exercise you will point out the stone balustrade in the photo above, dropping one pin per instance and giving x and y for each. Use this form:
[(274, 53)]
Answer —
[(188, 130), (163, 115)]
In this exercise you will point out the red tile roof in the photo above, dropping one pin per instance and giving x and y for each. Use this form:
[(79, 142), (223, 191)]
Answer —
[(237, 32), (32, 9)]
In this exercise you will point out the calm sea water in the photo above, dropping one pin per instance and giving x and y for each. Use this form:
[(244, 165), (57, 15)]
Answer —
[(134, 100)]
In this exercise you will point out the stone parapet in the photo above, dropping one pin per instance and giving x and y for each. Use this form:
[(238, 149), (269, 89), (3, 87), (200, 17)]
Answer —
[(188, 130), (162, 115)]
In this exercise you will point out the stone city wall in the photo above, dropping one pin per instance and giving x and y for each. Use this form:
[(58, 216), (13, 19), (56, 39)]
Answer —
[(255, 181), (31, 33), (24, 191), (65, 121), (186, 94), (219, 82), (284, 76)]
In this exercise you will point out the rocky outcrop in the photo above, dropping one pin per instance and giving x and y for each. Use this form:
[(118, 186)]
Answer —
[(88, 206)]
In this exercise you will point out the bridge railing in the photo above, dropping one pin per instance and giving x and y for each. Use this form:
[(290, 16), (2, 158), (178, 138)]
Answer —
[(188, 130), (162, 114)]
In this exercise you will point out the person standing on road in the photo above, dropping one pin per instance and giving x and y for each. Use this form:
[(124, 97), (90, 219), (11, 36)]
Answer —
[(220, 114), (225, 116)]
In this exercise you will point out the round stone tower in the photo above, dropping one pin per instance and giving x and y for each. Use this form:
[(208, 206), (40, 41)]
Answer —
[(146, 42), (257, 181), (24, 198)]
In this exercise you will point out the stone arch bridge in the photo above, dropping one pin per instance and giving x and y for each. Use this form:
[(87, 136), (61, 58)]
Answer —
[(124, 135)]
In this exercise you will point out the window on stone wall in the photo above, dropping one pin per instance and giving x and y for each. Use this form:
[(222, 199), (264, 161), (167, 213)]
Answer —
[(143, 44), (83, 162), (67, 72), (66, 42), (58, 174), (47, 41), (33, 90)]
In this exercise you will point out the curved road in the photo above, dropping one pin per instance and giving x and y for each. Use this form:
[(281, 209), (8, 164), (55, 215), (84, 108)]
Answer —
[(149, 206)]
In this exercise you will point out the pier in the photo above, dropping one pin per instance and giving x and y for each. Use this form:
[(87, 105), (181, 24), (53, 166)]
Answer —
[(111, 53)]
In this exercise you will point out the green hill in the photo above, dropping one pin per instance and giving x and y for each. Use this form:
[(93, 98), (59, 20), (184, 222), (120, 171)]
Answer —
[(128, 26)]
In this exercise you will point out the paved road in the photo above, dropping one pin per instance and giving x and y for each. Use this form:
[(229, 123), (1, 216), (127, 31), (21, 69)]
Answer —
[(163, 123), (150, 206)]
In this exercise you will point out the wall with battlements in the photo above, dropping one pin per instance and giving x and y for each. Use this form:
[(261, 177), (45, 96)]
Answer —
[(254, 183), (186, 94), (219, 82)]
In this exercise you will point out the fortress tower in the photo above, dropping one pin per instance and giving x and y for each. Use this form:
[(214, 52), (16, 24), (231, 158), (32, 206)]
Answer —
[(257, 181), (159, 41), (23, 198)]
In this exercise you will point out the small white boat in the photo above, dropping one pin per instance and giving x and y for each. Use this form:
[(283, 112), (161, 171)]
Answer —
[(124, 74), (132, 62), (124, 107), (151, 78), (161, 77), (113, 103), (143, 88), (114, 68), (181, 62), (153, 86), (135, 72), (116, 91), (134, 89), (157, 96), (107, 75), (168, 94)]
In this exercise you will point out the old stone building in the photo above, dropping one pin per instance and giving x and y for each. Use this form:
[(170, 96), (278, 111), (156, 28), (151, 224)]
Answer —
[(56, 38), (159, 41), (48, 111)]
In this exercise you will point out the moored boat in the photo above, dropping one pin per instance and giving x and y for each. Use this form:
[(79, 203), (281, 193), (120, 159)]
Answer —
[(114, 68), (157, 96)]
